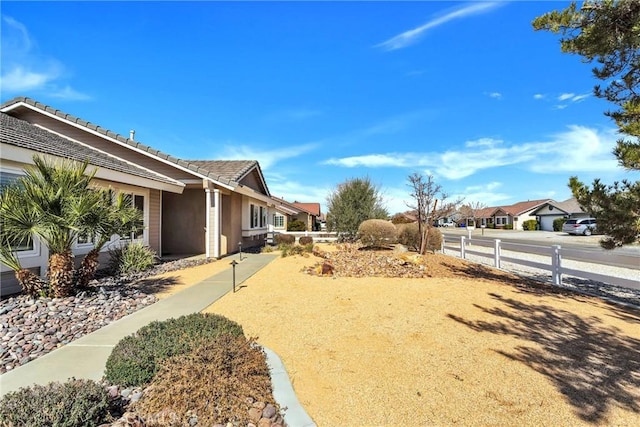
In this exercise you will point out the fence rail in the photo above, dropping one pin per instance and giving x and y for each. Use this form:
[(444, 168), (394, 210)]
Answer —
[(555, 253)]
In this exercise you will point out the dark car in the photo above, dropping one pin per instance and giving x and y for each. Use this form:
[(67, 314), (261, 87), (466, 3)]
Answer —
[(584, 226)]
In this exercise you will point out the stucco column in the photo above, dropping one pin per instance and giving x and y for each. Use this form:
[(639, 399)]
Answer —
[(217, 217), (207, 229)]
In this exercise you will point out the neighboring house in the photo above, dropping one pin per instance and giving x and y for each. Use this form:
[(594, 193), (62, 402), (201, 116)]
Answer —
[(189, 207), (511, 215), (552, 210), (309, 214), (285, 212)]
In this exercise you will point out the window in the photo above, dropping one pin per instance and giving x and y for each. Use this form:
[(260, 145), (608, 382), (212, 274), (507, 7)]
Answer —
[(278, 221), (137, 201), (8, 177), (254, 213)]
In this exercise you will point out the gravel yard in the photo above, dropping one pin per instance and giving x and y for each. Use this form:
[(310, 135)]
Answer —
[(469, 345)]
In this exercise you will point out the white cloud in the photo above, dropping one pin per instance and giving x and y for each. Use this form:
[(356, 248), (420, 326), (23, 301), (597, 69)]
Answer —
[(266, 158), (409, 37), (290, 115), (24, 69), (566, 96), (577, 149), (495, 95), (538, 96)]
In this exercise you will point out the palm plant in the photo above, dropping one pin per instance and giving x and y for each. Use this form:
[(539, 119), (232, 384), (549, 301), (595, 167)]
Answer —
[(56, 203), (116, 215)]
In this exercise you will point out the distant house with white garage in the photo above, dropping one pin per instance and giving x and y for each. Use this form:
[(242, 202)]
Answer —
[(548, 212)]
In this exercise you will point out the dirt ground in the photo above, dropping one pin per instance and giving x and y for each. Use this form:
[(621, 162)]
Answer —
[(468, 346)]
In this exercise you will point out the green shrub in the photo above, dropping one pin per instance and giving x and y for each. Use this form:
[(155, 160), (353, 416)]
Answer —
[(224, 376), (377, 233), (69, 404), (285, 239), (508, 227), (132, 258), (409, 235), (558, 223), (296, 225), (305, 240), (530, 225), (135, 359)]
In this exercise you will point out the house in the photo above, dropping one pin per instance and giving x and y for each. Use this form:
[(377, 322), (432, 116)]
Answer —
[(548, 212), (511, 216), (211, 207), (285, 212)]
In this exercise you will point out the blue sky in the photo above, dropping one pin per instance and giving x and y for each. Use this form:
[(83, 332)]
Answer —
[(322, 92)]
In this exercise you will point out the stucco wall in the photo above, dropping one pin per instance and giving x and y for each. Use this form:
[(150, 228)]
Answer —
[(183, 222), (231, 222), (154, 220)]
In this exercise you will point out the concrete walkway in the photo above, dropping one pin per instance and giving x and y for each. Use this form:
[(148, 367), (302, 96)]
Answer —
[(86, 357)]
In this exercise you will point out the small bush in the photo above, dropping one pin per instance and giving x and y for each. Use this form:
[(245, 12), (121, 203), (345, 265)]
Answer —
[(377, 233), (135, 359), (409, 235), (224, 377), (558, 223), (508, 227), (434, 241), (132, 258), (530, 225), (290, 250), (285, 239), (296, 225), (305, 240), (73, 403)]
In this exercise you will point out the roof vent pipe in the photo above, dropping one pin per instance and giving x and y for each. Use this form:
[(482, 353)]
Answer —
[(132, 133)]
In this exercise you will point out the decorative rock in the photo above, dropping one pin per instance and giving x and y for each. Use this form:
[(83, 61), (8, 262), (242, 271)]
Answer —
[(136, 396), (259, 405), (255, 414), (269, 411), (264, 422)]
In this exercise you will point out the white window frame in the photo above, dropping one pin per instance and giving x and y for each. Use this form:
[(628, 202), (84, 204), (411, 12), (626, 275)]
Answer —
[(35, 250)]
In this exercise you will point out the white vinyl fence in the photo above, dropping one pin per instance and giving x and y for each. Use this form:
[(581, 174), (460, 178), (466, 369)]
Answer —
[(549, 259)]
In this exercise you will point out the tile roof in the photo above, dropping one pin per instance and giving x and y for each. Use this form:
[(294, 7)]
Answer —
[(122, 139), (20, 133), (230, 170), (522, 207), (312, 208)]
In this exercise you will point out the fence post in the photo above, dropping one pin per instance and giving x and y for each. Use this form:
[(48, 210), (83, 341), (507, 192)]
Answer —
[(462, 254), (556, 265), (442, 245), (496, 253)]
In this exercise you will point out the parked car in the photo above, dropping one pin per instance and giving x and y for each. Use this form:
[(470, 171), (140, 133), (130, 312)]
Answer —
[(584, 226)]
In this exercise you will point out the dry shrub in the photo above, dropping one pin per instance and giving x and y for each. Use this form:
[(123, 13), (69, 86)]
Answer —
[(409, 236), (434, 239), (377, 233), (217, 383), (284, 239), (305, 240)]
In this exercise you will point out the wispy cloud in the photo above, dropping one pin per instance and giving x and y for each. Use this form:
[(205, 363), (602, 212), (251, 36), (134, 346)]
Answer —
[(292, 115), (266, 158), (572, 97), (25, 70), (578, 149), (539, 96), (409, 37), (495, 95)]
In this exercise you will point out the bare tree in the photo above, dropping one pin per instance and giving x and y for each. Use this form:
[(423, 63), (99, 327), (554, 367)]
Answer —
[(427, 195), (472, 211)]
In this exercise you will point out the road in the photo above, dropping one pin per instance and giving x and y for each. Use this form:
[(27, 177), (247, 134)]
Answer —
[(626, 256)]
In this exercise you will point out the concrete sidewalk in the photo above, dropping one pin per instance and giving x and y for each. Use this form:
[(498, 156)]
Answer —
[(86, 357)]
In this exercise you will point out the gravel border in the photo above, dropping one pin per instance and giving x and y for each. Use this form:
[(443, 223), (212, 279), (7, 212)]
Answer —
[(606, 291)]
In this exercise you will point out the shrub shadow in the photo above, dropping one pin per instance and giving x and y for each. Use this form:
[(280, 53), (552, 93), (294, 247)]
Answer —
[(153, 286), (593, 365)]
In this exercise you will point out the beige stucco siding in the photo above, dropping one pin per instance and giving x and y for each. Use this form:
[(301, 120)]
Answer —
[(231, 222), (183, 222)]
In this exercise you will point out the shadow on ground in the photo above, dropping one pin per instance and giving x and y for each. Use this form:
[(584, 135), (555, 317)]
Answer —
[(154, 286), (595, 366)]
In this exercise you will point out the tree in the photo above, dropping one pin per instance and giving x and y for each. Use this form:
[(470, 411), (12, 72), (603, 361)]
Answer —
[(472, 211), (608, 32), (56, 203), (427, 195), (351, 203)]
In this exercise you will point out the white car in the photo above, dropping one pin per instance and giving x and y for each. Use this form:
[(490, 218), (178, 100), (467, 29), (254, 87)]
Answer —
[(584, 226)]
